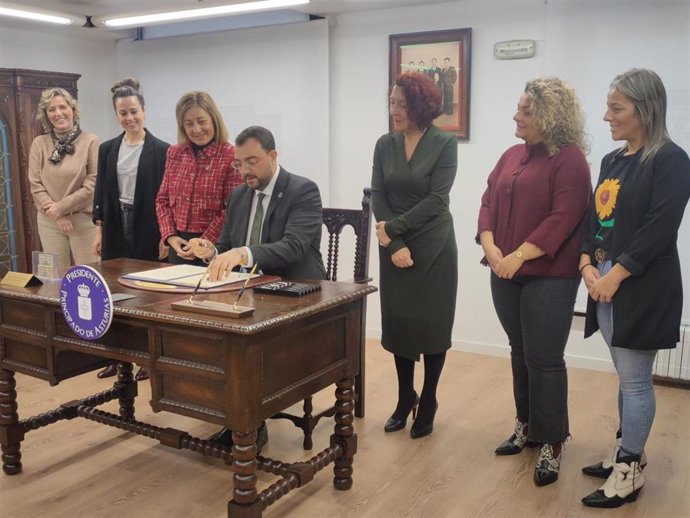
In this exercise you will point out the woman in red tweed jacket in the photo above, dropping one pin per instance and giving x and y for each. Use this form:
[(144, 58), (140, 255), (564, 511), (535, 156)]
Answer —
[(199, 177)]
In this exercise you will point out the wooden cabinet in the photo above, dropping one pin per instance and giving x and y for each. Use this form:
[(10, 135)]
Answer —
[(20, 92)]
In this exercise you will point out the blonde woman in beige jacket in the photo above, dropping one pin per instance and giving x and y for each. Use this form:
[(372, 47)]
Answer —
[(62, 174)]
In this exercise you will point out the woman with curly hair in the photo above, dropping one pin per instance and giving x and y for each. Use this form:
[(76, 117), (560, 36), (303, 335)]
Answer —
[(631, 267), (529, 220), (413, 172)]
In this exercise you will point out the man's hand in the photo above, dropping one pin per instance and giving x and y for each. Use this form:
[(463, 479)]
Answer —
[(223, 264)]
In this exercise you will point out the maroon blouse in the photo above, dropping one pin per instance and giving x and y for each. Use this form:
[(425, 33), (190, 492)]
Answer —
[(539, 199)]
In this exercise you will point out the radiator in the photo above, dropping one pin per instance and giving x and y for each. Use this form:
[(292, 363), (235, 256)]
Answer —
[(672, 366)]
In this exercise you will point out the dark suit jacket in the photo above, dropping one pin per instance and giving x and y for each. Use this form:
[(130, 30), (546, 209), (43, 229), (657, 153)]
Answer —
[(291, 232), (648, 305), (106, 199)]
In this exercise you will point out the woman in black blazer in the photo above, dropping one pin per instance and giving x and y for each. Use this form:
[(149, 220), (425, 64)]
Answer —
[(130, 171), (631, 267)]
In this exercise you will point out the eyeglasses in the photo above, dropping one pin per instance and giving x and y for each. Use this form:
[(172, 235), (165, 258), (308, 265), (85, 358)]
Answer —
[(249, 163)]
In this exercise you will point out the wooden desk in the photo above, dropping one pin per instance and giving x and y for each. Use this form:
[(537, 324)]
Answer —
[(235, 373)]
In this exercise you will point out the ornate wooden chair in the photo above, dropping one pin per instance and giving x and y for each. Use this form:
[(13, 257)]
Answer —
[(335, 220)]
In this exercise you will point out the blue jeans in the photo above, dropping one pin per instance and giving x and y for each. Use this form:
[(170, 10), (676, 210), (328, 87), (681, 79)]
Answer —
[(636, 401), (536, 314)]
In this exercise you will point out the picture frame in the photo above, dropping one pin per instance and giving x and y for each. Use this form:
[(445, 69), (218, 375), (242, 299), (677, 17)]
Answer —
[(445, 57)]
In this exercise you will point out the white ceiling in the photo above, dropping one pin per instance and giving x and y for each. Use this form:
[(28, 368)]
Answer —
[(105, 8), (126, 7)]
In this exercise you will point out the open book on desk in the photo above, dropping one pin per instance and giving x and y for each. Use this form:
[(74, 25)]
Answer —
[(186, 275)]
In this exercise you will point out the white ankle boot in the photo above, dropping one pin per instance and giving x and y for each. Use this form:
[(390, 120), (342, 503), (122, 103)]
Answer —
[(604, 468), (623, 485)]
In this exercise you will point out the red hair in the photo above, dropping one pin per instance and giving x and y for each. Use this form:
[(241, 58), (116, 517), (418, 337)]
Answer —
[(422, 96)]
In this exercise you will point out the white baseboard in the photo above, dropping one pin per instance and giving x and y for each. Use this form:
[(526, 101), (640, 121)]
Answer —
[(503, 351), (572, 360)]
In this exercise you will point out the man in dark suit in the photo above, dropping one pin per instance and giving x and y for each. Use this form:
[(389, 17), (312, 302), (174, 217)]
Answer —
[(274, 220), (449, 76), (434, 69)]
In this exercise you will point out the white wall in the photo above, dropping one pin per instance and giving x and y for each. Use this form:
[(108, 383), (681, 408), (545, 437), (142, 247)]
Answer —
[(274, 76), (585, 42), (56, 50), (325, 95)]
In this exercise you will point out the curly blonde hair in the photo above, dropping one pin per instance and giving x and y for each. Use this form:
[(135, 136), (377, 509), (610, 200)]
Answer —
[(48, 95), (558, 114)]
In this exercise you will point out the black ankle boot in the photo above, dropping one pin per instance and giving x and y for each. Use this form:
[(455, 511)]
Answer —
[(424, 424), (398, 420)]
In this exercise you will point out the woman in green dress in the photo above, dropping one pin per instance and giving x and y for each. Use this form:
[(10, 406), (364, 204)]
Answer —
[(413, 172)]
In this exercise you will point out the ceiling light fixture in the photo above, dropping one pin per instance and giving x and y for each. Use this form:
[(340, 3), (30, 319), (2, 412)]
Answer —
[(189, 14), (41, 16)]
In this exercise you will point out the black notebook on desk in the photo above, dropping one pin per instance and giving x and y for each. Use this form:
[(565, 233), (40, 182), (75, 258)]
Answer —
[(293, 289)]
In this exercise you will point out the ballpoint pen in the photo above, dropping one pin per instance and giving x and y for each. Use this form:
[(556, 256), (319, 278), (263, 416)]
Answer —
[(244, 287), (201, 279), (198, 284)]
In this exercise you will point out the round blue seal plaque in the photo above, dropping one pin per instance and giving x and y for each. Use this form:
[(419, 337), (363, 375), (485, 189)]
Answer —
[(86, 302)]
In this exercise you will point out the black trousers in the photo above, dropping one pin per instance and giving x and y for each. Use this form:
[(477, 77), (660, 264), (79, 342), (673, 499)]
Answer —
[(536, 313), (127, 216)]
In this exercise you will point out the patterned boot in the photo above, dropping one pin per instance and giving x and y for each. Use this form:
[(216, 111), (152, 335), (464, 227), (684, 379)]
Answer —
[(623, 485), (516, 442), (604, 468), (548, 464)]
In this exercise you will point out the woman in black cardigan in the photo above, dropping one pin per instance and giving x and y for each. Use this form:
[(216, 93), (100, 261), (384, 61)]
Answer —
[(631, 267), (130, 171)]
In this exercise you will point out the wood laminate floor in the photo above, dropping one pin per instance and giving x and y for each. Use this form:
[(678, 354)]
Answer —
[(82, 469)]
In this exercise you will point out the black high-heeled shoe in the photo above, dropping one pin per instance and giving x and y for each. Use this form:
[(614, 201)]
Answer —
[(398, 420), (423, 427)]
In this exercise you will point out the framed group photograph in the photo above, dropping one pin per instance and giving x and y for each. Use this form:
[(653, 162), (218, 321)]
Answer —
[(445, 57)]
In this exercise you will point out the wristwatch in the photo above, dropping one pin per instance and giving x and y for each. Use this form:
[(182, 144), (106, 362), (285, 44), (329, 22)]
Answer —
[(518, 254), (244, 258)]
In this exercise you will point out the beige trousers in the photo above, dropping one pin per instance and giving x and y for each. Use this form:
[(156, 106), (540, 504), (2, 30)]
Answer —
[(78, 242)]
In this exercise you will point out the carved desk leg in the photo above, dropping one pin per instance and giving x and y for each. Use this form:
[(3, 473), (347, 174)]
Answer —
[(128, 389), (344, 434), (244, 503), (11, 433)]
